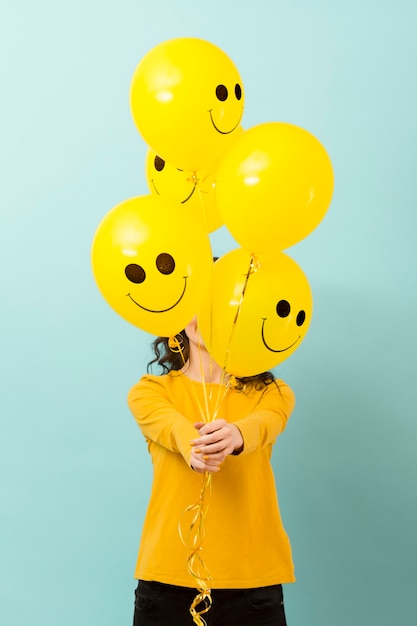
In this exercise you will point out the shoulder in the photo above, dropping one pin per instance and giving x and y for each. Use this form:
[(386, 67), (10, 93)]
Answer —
[(151, 384), (149, 381), (278, 392)]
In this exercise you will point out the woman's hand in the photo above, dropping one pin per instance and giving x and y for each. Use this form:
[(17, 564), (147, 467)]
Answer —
[(217, 440)]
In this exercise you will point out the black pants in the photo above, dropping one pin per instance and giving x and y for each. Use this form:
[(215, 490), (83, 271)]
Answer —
[(158, 604)]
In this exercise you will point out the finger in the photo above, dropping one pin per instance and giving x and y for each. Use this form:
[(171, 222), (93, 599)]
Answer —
[(216, 459), (200, 469), (215, 446), (214, 437), (211, 450), (208, 463), (214, 449), (212, 427)]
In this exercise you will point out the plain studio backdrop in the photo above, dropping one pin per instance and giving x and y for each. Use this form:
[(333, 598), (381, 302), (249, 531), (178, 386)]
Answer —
[(75, 473)]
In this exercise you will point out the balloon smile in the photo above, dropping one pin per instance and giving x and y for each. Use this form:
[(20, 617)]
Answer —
[(272, 349), (182, 201), (161, 310), (189, 195), (224, 132)]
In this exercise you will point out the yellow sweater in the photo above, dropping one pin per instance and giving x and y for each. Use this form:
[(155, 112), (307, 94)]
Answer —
[(245, 544)]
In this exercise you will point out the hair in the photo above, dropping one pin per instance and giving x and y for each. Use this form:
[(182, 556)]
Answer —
[(169, 360)]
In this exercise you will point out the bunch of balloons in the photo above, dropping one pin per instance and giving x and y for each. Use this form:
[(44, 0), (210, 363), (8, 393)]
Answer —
[(269, 185)]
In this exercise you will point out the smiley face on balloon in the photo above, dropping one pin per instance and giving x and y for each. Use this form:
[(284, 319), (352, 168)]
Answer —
[(187, 102), (168, 181), (143, 268), (195, 189), (165, 265), (259, 311)]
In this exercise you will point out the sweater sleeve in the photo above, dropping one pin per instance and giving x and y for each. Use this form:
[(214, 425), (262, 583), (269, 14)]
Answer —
[(262, 426), (158, 419)]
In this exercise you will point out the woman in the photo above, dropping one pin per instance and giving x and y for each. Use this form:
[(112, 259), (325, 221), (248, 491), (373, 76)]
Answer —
[(245, 550)]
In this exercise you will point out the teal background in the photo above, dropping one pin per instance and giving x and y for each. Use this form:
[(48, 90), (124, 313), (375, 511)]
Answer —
[(75, 474)]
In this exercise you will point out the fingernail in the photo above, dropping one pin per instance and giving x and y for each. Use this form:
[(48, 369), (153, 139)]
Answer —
[(198, 450)]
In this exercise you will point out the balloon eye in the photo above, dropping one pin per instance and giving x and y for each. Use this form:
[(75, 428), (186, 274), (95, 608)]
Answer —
[(165, 263), (283, 308), (238, 91), (221, 93), (301, 318), (159, 164), (135, 273)]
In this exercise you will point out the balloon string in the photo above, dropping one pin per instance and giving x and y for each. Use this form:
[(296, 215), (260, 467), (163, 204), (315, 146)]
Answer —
[(194, 539), (253, 266), (207, 394), (219, 398), (196, 533), (194, 544), (176, 346), (200, 199)]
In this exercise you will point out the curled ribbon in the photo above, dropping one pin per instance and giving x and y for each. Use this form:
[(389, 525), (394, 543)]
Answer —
[(194, 543), (196, 533)]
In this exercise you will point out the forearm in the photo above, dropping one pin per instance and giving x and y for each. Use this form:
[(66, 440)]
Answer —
[(261, 427), (249, 433), (161, 423)]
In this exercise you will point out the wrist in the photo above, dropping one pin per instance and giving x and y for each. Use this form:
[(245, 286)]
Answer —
[(237, 441)]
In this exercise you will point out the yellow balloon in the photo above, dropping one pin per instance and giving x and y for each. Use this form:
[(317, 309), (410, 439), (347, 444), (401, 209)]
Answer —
[(187, 100), (152, 263), (274, 186), (197, 190), (257, 312)]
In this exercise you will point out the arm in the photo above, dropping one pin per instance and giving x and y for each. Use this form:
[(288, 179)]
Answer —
[(158, 419), (262, 426), (252, 432)]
